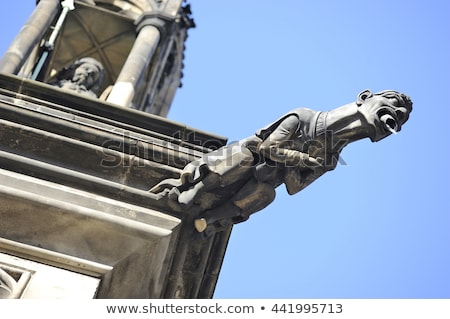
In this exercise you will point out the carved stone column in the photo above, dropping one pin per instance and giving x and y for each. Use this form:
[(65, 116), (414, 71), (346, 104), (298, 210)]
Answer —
[(135, 66), (30, 34), (151, 27)]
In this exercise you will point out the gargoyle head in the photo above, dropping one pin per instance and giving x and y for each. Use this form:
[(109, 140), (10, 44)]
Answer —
[(384, 112)]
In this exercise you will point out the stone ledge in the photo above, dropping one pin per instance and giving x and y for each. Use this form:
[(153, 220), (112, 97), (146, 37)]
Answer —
[(52, 144), (136, 242)]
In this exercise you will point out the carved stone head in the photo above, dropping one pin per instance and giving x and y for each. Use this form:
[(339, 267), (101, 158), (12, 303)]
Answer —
[(86, 72), (384, 112)]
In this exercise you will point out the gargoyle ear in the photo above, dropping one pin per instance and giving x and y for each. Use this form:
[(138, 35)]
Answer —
[(363, 96)]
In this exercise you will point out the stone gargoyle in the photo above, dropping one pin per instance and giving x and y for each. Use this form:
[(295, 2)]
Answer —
[(228, 185)]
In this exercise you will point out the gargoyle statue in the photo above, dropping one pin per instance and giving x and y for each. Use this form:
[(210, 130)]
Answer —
[(228, 185)]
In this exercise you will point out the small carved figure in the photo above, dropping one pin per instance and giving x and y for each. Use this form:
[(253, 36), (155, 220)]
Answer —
[(85, 76), (230, 184)]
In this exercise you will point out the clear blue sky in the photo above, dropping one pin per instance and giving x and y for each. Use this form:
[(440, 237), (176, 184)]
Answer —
[(378, 227)]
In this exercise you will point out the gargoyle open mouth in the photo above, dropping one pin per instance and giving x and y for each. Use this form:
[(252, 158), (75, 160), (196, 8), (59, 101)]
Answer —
[(389, 121)]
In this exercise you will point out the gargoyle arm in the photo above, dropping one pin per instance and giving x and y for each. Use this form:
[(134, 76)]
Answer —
[(276, 145)]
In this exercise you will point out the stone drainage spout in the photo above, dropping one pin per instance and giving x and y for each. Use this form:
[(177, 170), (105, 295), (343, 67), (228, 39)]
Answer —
[(389, 123)]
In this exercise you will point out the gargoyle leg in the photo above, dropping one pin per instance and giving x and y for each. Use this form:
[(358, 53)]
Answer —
[(251, 198)]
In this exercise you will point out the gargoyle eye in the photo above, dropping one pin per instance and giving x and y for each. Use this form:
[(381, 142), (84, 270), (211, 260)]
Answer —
[(400, 115)]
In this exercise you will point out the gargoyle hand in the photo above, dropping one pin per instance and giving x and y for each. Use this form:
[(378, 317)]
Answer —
[(302, 159)]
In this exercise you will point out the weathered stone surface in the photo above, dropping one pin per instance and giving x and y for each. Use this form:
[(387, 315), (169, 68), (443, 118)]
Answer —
[(75, 174), (31, 277)]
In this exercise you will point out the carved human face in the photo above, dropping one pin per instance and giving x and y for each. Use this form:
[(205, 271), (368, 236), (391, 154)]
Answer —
[(384, 114), (86, 74)]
